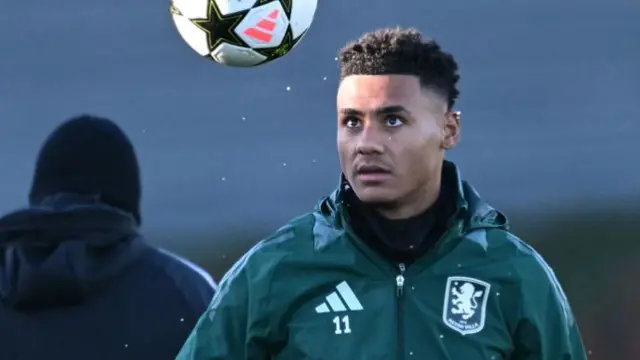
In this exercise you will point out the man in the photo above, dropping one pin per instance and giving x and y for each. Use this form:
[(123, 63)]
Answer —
[(404, 260), (76, 279)]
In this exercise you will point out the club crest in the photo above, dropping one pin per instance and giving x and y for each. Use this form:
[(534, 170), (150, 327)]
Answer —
[(465, 304)]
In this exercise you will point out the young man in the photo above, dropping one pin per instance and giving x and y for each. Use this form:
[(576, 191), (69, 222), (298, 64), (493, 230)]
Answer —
[(77, 281), (403, 260)]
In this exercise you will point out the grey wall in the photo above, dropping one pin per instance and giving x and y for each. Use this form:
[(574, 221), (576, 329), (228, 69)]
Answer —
[(549, 101)]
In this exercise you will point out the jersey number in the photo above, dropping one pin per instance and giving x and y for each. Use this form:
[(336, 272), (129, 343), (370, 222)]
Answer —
[(342, 325)]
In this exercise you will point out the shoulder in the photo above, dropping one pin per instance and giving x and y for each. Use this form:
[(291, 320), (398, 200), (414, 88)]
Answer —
[(192, 281), (187, 269), (537, 281), (291, 239)]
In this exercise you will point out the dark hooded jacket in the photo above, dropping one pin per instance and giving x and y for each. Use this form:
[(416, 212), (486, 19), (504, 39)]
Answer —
[(78, 282)]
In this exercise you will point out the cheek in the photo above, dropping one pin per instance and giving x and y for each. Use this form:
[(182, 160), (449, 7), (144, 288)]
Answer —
[(343, 149)]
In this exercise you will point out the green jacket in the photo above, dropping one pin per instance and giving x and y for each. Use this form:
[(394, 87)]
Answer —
[(313, 290)]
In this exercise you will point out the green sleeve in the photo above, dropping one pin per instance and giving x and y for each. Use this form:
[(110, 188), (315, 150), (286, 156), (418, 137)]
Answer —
[(226, 330), (547, 329)]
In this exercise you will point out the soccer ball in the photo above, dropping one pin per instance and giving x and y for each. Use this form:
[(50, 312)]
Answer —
[(243, 33)]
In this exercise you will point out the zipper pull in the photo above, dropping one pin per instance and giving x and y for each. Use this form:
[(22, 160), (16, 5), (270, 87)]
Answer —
[(400, 281)]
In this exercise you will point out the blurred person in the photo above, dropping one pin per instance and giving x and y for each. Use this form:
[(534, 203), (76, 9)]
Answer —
[(404, 260), (77, 281)]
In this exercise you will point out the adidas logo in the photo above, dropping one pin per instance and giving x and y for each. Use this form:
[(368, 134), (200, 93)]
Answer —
[(263, 30), (343, 299)]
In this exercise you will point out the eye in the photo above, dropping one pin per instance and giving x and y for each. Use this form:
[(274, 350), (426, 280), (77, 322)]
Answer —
[(394, 121), (351, 122)]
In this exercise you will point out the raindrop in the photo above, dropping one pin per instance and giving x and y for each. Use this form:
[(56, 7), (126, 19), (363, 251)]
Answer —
[(497, 294), (410, 353), (441, 336)]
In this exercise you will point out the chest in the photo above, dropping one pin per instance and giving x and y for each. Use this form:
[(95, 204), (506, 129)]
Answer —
[(402, 317)]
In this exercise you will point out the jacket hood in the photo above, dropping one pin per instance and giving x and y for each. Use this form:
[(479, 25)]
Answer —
[(473, 212), (63, 251)]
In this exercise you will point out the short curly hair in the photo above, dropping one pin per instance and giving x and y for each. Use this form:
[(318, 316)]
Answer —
[(397, 51)]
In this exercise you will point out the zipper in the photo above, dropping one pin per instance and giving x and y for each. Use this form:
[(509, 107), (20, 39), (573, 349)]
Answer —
[(399, 301)]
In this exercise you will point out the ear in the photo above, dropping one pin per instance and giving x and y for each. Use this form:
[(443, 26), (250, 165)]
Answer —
[(451, 129)]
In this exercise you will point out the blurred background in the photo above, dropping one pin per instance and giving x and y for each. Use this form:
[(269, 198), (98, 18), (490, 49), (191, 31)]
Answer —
[(550, 125)]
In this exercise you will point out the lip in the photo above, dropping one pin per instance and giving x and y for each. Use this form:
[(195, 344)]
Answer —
[(373, 177), (372, 173)]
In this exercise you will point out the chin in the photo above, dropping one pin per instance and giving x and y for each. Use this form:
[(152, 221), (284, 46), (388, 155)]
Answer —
[(376, 195)]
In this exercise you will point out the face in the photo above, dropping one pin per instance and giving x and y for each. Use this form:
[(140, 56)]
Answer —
[(392, 134)]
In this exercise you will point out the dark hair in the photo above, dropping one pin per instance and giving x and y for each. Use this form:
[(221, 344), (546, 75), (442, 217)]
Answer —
[(402, 52)]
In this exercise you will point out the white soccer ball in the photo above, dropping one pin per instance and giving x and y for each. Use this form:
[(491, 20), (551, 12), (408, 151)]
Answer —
[(243, 33)]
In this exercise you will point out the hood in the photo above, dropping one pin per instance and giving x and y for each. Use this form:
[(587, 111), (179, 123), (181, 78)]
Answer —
[(63, 251), (472, 212)]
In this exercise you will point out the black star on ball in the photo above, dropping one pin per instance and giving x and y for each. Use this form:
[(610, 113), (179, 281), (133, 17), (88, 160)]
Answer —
[(219, 28)]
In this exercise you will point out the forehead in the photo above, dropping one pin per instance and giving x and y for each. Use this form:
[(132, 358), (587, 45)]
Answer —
[(375, 91)]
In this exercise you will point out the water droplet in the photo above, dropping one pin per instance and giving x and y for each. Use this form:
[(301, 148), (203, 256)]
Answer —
[(224, 179), (459, 265), (126, 345), (441, 336), (288, 88), (335, 58), (244, 118), (410, 353), (324, 78), (497, 294), (284, 164), (181, 319), (413, 288)]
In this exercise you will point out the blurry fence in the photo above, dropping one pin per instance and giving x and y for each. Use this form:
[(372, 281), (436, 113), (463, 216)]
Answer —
[(595, 253)]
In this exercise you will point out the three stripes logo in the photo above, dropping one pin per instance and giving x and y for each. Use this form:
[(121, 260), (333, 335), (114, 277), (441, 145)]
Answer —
[(263, 30), (341, 300)]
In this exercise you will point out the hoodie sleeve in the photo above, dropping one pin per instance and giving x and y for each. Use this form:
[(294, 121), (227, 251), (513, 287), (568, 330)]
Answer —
[(227, 329), (547, 329)]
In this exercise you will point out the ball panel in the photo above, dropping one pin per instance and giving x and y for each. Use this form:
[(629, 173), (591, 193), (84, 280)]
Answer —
[(192, 9), (227, 7), (233, 55), (264, 26), (192, 35), (302, 15)]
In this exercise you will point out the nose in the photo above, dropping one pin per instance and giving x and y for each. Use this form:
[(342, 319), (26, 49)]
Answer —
[(370, 141)]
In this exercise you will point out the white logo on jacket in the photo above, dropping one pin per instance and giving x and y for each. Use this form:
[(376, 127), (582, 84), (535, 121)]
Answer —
[(465, 304)]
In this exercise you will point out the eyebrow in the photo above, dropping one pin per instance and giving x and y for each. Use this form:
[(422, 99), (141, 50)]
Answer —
[(385, 110)]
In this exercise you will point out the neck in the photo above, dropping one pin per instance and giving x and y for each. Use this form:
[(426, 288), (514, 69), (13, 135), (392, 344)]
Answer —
[(414, 203)]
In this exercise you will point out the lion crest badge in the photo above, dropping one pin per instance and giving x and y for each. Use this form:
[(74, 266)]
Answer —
[(465, 304)]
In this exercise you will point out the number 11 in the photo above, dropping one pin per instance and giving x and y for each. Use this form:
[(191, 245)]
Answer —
[(342, 325)]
